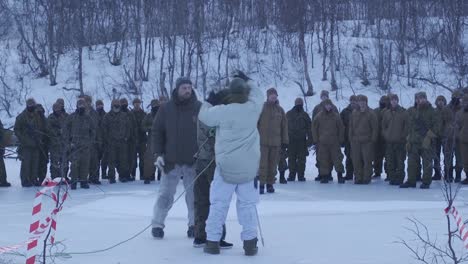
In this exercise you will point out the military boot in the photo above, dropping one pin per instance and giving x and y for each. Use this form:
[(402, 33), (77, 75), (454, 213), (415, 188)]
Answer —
[(458, 175), (250, 247), (270, 188), (341, 180), (191, 232), (84, 185), (318, 178), (292, 176), (323, 179), (157, 232), (349, 177), (301, 177), (408, 185), (282, 178), (211, 247), (5, 184), (425, 186), (437, 175), (262, 188)]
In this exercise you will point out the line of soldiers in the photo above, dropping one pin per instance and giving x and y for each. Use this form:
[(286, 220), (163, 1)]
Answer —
[(89, 142), (368, 136)]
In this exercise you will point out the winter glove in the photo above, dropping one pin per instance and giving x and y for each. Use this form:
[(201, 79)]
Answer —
[(160, 163), (213, 98), (240, 74)]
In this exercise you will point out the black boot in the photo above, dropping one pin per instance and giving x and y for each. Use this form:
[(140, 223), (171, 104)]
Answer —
[(250, 247), (292, 176), (270, 188), (323, 179), (157, 232), (437, 175), (341, 180), (191, 232), (282, 178), (147, 182), (408, 185), (300, 177), (318, 178), (330, 177), (425, 186), (262, 188), (84, 185), (212, 247), (458, 175), (5, 184), (349, 177)]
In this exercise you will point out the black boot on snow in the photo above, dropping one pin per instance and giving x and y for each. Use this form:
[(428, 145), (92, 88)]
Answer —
[(349, 177), (282, 178), (323, 179), (95, 181), (147, 182), (250, 247), (408, 185), (437, 175), (270, 188), (199, 242), (291, 177), (84, 185), (157, 232), (5, 184), (262, 188), (376, 176), (341, 180), (300, 177), (191, 232), (225, 245), (330, 177), (318, 178), (425, 186), (212, 247)]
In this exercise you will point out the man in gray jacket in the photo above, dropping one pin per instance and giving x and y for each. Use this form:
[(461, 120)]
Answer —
[(174, 144)]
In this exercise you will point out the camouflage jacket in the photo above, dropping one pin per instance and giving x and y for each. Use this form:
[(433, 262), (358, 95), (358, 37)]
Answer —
[(206, 142), (28, 129), (421, 120), (139, 116), (117, 127), (55, 127), (80, 130)]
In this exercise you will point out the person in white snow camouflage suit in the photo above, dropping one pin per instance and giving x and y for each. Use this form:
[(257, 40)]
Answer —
[(237, 151)]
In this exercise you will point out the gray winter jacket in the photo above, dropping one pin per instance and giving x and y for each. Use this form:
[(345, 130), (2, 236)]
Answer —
[(237, 146)]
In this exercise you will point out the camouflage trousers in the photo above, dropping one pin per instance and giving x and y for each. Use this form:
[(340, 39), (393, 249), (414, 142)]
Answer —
[(362, 160), (269, 157), (93, 163), (42, 165), (118, 159), (58, 162), (297, 155), (464, 154), (283, 164), (80, 164), (415, 153), (452, 149), (201, 191), (379, 155), (395, 157), (29, 165), (329, 156)]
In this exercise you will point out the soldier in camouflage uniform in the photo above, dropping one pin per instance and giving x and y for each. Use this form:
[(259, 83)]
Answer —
[(58, 155), (300, 138), (205, 167), (44, 146), (27, 129), (283, 165), (379, 147), (422, 124), (450, 142), (117, 130), (363, 131), (147, 124), (395, 131), (411, 111), (345, 118), (3, 175), (79, 135), (93, 151), (462, 133), (132, 140), (102, 154), (139, 114), (440, 103)]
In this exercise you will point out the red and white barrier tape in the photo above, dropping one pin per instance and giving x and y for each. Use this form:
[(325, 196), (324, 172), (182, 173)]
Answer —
[(39, 225), (462, 228)]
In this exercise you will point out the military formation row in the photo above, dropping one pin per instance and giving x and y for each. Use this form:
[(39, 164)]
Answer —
[(373, 140), (90, 141)]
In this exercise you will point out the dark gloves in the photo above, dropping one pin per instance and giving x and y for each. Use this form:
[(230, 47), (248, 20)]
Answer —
[(240, 74), (217, 97)]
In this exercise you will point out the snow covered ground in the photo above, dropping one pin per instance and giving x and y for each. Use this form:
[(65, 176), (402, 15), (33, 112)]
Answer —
[(302, 223)]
